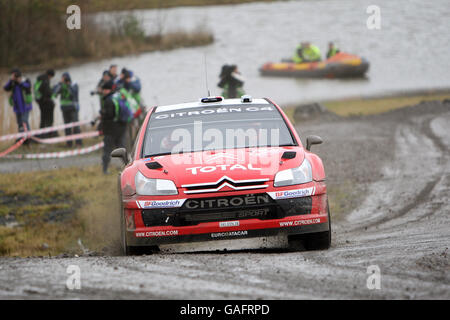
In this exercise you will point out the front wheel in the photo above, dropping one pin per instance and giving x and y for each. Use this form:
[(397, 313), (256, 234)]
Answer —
[(124, 248), (312, 241), (132, 250), (319, 240)]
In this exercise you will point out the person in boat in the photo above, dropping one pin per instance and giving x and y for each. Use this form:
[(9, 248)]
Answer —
[(306, 52), (231, 81), (332, 50)]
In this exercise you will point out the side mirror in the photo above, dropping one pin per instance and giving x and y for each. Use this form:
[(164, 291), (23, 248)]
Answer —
[(310, 140), (120, 153)]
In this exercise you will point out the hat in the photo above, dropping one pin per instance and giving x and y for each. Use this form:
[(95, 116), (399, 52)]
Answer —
[(128, 74), (108, 85), (66, 76), (16, 72), (50, 72)]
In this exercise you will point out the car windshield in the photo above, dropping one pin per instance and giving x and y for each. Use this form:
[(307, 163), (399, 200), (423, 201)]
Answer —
[(215, 128)]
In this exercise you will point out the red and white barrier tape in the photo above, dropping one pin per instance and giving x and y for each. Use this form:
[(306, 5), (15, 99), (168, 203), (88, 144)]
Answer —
[(16, 145), (43, 130), (12, 148), (78, 136), (61, 154)]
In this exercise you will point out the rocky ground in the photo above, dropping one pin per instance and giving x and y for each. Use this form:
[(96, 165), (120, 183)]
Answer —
[(391, 173)]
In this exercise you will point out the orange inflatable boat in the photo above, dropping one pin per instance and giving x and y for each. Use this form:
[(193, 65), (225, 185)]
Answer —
[(341, 65)]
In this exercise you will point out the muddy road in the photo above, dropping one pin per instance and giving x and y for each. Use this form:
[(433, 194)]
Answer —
[(391, 173)]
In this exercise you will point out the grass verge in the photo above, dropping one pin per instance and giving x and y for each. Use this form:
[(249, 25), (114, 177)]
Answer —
[(357, 107), (375, 105), (45, 213)]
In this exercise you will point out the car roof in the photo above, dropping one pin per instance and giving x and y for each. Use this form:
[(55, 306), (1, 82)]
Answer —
[(199, 104)]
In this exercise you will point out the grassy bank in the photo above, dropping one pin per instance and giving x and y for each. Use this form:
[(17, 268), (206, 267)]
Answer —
[(352, 107), (34, 36), (45, 213), (375, 105)]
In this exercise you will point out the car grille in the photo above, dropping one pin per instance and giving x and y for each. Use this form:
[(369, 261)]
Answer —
[(252, 206), (225, 182)]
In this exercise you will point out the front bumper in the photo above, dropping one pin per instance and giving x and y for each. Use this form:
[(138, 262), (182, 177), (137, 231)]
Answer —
[(288, 219), (211, 231)]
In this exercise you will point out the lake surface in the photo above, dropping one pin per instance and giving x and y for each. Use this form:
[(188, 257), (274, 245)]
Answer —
[(410, 51)]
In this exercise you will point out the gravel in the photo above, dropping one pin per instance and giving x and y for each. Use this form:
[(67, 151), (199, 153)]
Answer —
[(397, 165)]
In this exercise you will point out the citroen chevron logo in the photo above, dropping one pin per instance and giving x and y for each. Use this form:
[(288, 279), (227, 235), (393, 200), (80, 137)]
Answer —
[(226, 182)]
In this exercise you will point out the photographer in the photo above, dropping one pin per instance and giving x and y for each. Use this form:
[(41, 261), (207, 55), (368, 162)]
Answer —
[(43, 96), (114, 130), (231, 81), (69, 104), (20, 98), (106, 77), (113, 72)]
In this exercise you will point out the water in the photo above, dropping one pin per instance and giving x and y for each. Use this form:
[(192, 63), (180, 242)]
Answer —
[(410, 51)]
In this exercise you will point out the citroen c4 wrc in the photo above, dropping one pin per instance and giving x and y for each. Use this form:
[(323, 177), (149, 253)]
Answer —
[(221, 169)]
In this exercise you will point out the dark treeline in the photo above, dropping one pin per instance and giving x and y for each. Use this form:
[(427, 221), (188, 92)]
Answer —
[(33, 33)]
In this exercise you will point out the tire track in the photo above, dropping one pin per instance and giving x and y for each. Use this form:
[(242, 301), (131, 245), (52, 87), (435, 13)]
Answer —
[(410, 250)]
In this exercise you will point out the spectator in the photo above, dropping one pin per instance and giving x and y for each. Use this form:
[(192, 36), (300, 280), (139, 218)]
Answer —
[(231, 81), (43, 96), (114, 130), (113, 72), (20, 98), (120, 82), (133, 85), (68, 93), (106, 76)]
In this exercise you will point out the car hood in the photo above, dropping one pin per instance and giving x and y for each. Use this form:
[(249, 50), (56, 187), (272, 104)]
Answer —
[(214, 167)]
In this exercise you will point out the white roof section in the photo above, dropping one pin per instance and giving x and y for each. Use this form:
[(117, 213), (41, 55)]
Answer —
[(198, 104)]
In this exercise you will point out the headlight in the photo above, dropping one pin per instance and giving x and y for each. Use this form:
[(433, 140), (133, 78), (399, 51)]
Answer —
[(154, 187), (299, 175)]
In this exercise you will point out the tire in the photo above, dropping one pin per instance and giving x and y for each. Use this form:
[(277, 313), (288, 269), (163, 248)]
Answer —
[(319, 240), (132, 250), (127, 250), (312, 241), (124, 248)]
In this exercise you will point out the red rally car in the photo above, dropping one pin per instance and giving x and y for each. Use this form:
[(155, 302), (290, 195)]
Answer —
[(221, 169)]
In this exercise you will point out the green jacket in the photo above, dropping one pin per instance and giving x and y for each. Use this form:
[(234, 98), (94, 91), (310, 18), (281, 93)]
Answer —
[(68, 94), (306, 54), (331, 52)]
